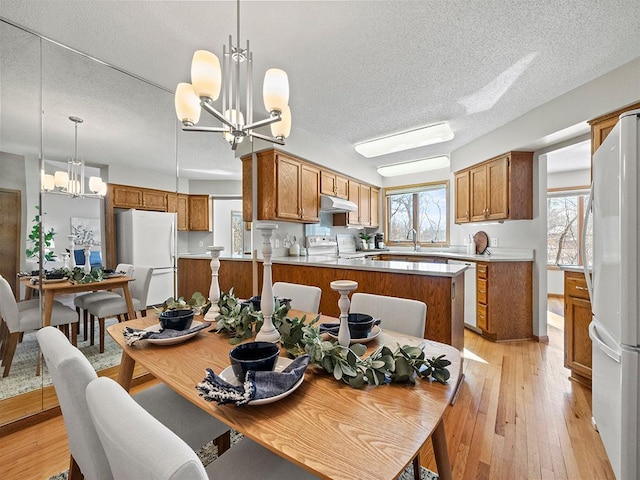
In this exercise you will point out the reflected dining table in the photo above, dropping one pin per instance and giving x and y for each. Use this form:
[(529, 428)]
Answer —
[(325, 426), (61, 287)]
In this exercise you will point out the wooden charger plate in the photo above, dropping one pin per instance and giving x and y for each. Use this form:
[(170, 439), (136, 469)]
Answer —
[(481, 240)]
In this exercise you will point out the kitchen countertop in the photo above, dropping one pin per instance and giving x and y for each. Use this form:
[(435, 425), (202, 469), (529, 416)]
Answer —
[(572, 268)]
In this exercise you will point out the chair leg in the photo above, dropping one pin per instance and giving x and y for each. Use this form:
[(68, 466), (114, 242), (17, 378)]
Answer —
[(9, 352), (85, 317), (223, 442), (38, 364), (101, 323), (417, 472), (74, 334), (74, 470), (92, 327)]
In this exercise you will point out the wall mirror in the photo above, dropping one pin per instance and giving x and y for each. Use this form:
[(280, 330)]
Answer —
[(41, 85)]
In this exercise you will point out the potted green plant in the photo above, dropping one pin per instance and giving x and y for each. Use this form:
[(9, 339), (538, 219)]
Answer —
[(34, 238), (365, 237)]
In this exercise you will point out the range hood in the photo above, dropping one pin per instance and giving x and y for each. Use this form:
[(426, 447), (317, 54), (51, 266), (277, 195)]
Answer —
[(336, 205)]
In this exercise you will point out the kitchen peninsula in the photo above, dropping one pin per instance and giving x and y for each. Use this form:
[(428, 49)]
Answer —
[(440, 286)]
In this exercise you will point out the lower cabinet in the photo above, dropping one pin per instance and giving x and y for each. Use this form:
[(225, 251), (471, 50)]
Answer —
[(577, 316), (504, 296), (194, 275)]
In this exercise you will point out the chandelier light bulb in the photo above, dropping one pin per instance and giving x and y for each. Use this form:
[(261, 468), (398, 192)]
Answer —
[(48, 182), (206, 76), (275, 90), (103, 189), (95, 184), (61, 179), (187, 104), (282, 129)]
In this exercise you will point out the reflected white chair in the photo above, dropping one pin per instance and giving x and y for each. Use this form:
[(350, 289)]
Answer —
[(82, 302), (117, 307), (140, 447), (21, 317), (303, 297), (71, 372), (401, 315)]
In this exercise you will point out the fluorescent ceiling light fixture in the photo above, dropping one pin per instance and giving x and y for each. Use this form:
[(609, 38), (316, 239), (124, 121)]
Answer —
[(420, 137), (414, 166)]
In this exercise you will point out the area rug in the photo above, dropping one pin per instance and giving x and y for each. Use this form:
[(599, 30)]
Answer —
[(209, 453), (22, 376)]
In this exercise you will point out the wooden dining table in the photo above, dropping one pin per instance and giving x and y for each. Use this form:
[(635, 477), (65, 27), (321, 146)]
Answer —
[(61, 287), (325, 426)]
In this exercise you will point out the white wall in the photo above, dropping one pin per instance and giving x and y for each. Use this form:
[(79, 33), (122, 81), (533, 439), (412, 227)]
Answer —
[(130, 175), (222, 222), (575, 178)]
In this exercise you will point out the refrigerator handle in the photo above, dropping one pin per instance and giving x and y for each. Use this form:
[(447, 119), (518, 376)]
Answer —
[(585, 263), (595, 338)]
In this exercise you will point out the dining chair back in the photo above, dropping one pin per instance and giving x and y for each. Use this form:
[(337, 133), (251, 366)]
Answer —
[(71, 372), (21, 317), (401, 315), (134, 442), (303, 297)]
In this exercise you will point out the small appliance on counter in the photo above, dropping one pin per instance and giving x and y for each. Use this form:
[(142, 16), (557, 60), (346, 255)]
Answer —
[(379, 240)]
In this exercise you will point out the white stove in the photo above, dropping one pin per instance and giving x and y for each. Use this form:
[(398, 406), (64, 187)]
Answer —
[(340, 246)]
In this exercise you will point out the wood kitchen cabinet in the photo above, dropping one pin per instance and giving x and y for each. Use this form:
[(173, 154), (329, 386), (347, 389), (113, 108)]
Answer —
[(375, 207), (499, 189), (504, 300), (602, 126), (200, 213), (334, 184), (179, 203), (288, 188), (361, 195), (126, 196), (577, 316), (463, 199)]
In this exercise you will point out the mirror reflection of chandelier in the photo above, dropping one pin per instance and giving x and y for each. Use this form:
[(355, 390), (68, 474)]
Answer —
[(72, 181), (206, 83)]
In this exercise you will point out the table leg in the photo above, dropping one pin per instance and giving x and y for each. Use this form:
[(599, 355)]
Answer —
[(439, 441), (125, 372), (127, 296), (48, 307)]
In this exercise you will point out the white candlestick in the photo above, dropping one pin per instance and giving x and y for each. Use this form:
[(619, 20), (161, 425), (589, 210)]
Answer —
[(344, 287), (268, 332), (72, 255), (214, 289), (87, 260)]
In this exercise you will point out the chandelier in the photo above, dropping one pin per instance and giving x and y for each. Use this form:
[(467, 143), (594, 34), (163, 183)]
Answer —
[(72, 182), (207, 81)]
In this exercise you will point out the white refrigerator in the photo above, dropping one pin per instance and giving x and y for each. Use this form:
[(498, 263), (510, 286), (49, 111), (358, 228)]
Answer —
[(148, 239), (615, 293)]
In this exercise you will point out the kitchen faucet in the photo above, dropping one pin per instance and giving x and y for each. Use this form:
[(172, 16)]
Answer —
[(415, 238)]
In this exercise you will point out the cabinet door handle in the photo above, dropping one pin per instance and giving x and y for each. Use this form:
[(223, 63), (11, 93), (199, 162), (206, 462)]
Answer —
[(578, 287)]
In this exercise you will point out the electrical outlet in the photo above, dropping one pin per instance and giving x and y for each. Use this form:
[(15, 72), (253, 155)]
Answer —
[(494, 241), (201, 243)]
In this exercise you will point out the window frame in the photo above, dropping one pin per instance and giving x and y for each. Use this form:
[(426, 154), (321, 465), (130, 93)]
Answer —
[(415, 189), (580, 192)]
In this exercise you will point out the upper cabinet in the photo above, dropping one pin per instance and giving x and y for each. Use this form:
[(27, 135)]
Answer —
[(602, 126), (288, 188), (179, 203), (499, 189), (367, 199), (334, 184), (200, 213)]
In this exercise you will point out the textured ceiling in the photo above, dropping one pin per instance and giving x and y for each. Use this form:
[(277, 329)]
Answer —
[(358, 69)]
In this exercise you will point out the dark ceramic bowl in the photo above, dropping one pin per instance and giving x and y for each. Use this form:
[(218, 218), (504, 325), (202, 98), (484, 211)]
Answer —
[(176, 319), (255, 301), (257, 356), (360, 324)]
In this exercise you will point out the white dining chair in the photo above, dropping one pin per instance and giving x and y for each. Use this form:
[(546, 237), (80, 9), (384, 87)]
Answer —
[(82, 302), (303, 297), (401, 315), (117, 307), (138, 446), (18, 318), (71, 372)]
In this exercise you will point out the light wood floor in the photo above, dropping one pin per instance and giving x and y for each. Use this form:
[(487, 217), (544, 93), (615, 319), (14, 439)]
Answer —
[(517, 417)]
